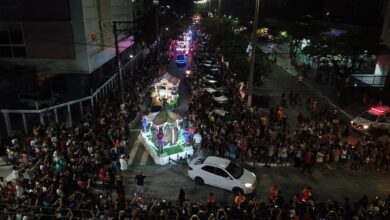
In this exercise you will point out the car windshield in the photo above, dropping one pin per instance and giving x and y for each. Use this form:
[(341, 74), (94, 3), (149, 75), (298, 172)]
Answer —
[(235, 170), (199, 161), (218, 84), (217, 94), (369, 116)]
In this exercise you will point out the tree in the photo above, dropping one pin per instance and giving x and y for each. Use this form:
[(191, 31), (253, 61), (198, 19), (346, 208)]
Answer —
[(233, 47), (297, 32), (346, 52)]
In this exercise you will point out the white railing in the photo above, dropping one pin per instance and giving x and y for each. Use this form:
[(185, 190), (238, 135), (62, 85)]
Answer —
[(100, 93)]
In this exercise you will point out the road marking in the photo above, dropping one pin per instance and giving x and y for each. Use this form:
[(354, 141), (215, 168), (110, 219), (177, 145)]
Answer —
[(144, 157), (133, 151)]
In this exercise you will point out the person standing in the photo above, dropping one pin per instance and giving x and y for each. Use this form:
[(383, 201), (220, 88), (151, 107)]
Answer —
[(307, 161), (212, 202), (291, 98), (197, 141), (139, 181), (180, 198), (160, 142), (123, 164), (273, 193)]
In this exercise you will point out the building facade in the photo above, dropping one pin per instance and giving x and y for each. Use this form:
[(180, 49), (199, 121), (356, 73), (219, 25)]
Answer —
[(64, 36)]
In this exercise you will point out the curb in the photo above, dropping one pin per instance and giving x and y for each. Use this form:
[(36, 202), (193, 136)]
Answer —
[(272, 164), (318, 92)]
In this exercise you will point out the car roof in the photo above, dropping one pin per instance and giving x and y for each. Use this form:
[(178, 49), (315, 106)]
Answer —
[(379, 110), (217, 161)]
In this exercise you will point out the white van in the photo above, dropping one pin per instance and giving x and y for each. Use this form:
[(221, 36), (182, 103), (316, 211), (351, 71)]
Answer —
[(373, 119)]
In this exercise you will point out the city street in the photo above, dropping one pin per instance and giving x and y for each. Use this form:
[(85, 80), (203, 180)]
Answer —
[(195, 109), (165, 181)]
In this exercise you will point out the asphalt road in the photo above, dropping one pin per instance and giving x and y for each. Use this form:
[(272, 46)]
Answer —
[(163, 182)]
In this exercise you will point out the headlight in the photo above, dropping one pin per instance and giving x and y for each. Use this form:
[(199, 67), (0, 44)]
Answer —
[(351, 122), (365, 126), (248, 185)]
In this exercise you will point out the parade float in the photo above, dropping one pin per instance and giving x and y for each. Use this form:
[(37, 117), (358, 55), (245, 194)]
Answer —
[(165, 137), (165, 91)]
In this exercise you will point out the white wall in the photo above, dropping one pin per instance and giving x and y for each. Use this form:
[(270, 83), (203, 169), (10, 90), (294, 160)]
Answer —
[(386, 25)]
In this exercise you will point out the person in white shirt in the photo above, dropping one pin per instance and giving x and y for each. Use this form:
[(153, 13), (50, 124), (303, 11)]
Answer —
[(123, 164), (197, 141)]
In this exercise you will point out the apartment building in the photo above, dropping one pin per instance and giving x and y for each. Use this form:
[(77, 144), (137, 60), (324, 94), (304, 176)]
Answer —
[(63, 36)]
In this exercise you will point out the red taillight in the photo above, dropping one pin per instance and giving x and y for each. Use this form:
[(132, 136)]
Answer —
[(189, 168)]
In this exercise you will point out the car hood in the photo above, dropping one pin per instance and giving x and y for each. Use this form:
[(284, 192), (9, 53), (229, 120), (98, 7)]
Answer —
[(247, 177), (221, 99), (222, 88), (362, 121), (210, 90)]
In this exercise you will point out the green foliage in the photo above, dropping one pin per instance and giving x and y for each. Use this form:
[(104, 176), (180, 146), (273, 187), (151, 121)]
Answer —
[(296, 33), (346, 52), (233, 47)]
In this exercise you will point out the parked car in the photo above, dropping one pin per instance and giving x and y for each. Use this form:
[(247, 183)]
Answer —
[(216, 85), (222, 173), (375, 119), (217, 96)]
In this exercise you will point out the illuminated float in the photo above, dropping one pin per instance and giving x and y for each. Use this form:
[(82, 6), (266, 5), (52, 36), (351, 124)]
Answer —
[(164, 136), (165, 91)]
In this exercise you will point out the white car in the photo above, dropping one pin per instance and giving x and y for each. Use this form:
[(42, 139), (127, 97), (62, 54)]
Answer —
[(376, 118), (216, 85), (217, 96), (222, 173), (220, 112)]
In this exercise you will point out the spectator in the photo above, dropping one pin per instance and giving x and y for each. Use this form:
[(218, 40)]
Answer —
[(139, 181), (123, 165), (180, 197)]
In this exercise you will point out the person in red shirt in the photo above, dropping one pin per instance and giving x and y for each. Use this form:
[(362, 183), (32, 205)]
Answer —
[(103, 174), (307, 162), (273, 193), (239, 198), (306, 194), (212, 201)]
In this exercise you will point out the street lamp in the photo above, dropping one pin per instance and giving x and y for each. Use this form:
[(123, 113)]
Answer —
[(219, 8), (132, 64), (253, 54)]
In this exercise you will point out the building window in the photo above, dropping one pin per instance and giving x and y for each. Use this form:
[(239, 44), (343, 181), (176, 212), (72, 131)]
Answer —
[(5, 51), (19, 51), (9, 3), (15, 33), (4, 37), (11, 40)]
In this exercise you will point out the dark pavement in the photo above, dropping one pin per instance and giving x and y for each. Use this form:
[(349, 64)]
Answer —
[(163, 182)]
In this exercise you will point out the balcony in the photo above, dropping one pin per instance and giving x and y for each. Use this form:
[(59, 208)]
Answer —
[(366, 80)]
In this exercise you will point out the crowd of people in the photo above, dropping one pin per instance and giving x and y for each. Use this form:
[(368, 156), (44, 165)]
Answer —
[(78, 172), (62, 171), (253, 134)]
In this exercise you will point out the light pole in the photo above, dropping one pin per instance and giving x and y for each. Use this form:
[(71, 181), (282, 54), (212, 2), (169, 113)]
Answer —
[(253, 55), (132, 64), (219, 8), (118, 58), (117, 53), (156, 3)]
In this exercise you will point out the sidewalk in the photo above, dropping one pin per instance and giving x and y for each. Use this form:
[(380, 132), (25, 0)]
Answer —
[(326, 92)]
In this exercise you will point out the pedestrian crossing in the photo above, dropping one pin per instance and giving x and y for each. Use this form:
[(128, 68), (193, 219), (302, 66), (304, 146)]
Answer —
[(144, 158), (139, 155)]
